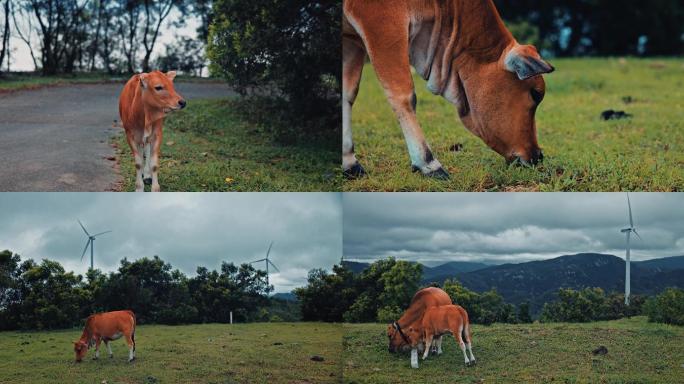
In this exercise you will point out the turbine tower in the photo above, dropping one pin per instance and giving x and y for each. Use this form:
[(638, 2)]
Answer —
[(266, 259), (90, 242), (628, 232)]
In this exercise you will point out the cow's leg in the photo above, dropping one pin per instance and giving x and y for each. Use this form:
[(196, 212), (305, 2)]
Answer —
[(109, 349), (131, 347), (469, 345), (387, 45), (97, 348), (439, 345), (428, 345), (353, 56), (414, 358), (459, 340), (137, 149), (147, 178), (154, 158)]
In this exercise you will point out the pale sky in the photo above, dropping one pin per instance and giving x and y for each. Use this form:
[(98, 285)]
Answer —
[(434, 228), (185, 229), (21, 57)]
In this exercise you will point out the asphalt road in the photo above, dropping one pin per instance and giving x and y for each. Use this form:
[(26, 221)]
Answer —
[(58, 139)]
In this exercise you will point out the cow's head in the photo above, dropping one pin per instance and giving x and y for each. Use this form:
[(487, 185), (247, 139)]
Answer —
[(497, 101), (158, 91), (397, 341), (81, 348)]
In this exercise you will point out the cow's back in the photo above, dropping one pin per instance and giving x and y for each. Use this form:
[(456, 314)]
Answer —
[(421, 301), (131, 108), (110, 323)]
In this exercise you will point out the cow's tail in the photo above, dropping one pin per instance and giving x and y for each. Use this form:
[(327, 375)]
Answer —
[(467, 336), (133, 332)]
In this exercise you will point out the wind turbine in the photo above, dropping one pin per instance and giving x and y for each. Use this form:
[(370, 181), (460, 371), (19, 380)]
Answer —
[(90, 242), (628, 232), (267, 264)]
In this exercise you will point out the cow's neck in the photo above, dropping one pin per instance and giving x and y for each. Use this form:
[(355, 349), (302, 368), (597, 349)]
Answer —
[(456, 37)]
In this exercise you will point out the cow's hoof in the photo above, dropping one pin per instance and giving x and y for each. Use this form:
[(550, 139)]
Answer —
[(131, 360), (355, 172), (439, 174), (147, 181), (111, 356)]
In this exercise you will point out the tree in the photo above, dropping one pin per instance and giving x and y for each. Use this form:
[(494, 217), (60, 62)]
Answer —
[(6, 33), (155, 14), (667, 307)]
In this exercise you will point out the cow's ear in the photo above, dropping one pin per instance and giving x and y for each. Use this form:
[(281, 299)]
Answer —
[(143, 79), (171, 74), (525, 62)]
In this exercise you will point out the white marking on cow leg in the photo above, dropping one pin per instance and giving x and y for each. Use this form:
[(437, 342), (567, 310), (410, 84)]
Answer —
[(439, 345), (131, 354), (348, 155), (414, 358), (109, 349), (154, 158), (470, 349), (459, 340), (139, 186), (419, 151), (146, 169)]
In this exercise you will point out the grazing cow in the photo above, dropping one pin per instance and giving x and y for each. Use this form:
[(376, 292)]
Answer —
[(106, 327), (421, 301), (439, 321), (144, 101), (466, 54)]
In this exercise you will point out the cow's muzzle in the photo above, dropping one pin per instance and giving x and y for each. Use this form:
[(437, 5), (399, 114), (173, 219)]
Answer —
[(536, 158)]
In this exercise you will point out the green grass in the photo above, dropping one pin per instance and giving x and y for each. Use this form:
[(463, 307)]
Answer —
[(209, 147), (211, 353), (638, 352), (583, 153)]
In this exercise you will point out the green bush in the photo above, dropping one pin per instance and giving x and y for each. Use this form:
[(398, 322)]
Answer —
[(667, 307), (389, 314)]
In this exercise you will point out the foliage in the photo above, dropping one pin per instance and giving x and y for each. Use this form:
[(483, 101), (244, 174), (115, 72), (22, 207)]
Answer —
[(667, 307), (289, 50), (572, 27), (45, 296), (483, 308), (589, 304)]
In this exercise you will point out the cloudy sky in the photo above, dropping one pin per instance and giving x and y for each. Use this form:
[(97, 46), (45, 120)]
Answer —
[(439, 227), (185, 229)]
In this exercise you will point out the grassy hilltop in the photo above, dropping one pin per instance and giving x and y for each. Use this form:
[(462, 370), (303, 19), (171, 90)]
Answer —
[(264, 353), (638, 352), (582, 152)]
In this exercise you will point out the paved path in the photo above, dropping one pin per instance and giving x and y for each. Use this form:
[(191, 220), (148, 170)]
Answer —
[(58, 139)]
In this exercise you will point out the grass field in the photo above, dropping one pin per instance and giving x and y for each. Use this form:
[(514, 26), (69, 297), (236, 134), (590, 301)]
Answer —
[(212, 353), (209, 147), (638, 352), (582, 152)]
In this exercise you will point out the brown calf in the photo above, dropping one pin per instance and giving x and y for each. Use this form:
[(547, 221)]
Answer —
[(106, 327), (144, 101), (466, 54)]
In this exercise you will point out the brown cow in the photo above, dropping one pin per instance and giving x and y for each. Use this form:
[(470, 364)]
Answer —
[(466, 54), (421, 301), (144, 101), (106, 327), (439, 321)]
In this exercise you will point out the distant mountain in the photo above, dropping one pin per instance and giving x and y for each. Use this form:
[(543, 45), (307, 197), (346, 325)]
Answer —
[(355, 266), (448, 270), (665, 263), (538, 281), (287, 296)]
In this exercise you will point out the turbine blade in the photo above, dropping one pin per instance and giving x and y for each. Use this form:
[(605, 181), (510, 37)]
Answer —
[(84, 230), (101, 233), (629, 204), (637, 234), (273, 265), (269, 250), (85, 249), (256, 261)]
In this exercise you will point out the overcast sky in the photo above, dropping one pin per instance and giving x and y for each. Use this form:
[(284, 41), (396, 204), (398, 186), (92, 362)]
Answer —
[(185, 229), (508, 227)]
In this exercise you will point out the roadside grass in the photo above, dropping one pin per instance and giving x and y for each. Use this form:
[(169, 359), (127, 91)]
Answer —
[(207, 353), (19, 80), (638, 352), (582, 152), (209, 146)]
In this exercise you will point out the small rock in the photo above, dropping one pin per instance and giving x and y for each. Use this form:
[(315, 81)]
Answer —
[(277, 343), (602, 350), (170, 143), (627, 99), (317, 358), (610, 114)]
